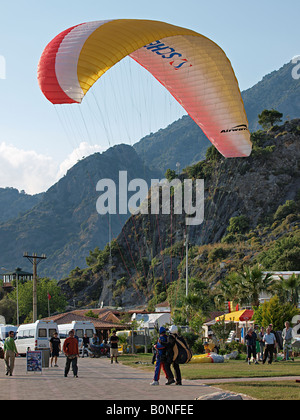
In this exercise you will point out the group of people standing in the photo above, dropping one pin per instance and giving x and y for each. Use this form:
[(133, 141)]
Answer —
[(164, 355), (71, 349), (264, 344)]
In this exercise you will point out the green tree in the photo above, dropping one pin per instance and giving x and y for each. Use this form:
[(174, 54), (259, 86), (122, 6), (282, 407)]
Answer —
[(91, 314), (283, 254), (288, 289), (238, 224), (44, 286), (288, 208), (8, 308), (253, 282), (222, 329), (274, 312), (170, 174), (228, 290), (268, 118), (244, 287)]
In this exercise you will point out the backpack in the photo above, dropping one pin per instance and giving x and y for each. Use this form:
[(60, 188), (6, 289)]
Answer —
[(1, 353), (182, 352)]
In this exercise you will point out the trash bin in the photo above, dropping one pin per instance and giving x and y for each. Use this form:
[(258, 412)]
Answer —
[(45, 357)]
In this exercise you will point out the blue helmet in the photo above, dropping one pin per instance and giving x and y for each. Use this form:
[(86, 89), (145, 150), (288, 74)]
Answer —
[(162, 330)]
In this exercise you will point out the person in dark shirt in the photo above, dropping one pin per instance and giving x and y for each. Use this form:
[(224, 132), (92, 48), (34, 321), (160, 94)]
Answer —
[(173, 334), (55, 348), (70, 348), (114, 340), (250, 339), (85, 344)]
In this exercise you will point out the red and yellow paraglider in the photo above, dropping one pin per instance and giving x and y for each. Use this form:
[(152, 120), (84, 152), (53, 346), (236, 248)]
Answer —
[(193, 68)]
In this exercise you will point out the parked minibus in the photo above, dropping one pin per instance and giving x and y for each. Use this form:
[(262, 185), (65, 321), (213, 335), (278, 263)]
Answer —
[(80, 328), (4, 331), (35, 336)]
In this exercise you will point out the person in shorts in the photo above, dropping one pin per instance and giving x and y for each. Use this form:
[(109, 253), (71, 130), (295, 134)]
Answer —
[(55, 348), (114, 341)]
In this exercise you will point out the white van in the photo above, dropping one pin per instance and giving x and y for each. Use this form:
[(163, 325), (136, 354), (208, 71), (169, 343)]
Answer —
[(4, 331), (35, 336), (80, 328)]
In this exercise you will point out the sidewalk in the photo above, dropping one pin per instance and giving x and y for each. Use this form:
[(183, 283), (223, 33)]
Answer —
[(98, 380)]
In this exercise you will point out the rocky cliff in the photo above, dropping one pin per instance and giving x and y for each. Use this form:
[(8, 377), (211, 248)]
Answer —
[(242, 198)]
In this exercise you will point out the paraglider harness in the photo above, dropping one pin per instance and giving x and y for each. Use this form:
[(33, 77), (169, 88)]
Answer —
[(178, 350)]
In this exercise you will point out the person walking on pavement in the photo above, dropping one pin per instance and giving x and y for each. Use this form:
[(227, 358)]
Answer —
[(70, 349), (85, 344), (10, 352), (160, 347), (251, 345), (287, 335), (114, 341), (261, 343), (276, 344), (55, 348), (173, 332), (270, 341)]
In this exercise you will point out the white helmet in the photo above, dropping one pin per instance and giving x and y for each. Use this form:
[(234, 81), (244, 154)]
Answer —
[(173, 329)]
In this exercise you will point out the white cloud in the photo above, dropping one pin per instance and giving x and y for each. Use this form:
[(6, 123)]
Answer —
[(84, 150), (27, 170)]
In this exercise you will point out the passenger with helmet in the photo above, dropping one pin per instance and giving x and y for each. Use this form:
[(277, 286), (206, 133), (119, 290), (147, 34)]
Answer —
[(173, 332), (160, 348)]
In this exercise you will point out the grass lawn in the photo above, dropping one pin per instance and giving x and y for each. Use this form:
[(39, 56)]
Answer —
[(229, 369), (270, 390), (279, 391)]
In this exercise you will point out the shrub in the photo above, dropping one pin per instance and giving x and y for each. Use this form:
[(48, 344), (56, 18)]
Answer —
[(288, 208), (238, 224), (198, 347)]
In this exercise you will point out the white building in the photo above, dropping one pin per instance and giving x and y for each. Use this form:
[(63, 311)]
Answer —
[(163, 307), (276, 275), (149, 320)]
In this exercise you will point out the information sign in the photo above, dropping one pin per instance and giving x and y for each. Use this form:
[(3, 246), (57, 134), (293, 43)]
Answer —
[(34, 361)]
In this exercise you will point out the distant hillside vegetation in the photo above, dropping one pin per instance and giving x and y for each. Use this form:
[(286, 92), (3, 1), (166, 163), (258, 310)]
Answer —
[(252, 215), (13, 203)]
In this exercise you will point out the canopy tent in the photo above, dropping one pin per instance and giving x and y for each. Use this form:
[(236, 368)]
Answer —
[(247, 315), (237, 316)]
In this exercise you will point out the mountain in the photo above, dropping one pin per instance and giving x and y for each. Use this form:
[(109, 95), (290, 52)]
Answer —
[(65, 224), (13, 203), (252, 215), (184, 142), (278, 90)]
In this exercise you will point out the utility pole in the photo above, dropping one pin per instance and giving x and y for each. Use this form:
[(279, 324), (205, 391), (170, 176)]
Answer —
[(186, 264), (35, 260)]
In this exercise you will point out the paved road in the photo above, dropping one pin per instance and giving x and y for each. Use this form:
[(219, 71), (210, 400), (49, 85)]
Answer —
[(98, 380)]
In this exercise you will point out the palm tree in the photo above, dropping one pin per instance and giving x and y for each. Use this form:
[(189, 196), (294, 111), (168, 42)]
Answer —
[(253, 282), (229, 289), (292, 286), (244, 287)]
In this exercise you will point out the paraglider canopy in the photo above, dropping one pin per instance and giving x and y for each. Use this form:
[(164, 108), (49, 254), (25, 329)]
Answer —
[(192, 68)]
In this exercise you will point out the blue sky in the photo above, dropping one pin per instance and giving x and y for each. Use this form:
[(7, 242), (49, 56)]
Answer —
[(37, 140)]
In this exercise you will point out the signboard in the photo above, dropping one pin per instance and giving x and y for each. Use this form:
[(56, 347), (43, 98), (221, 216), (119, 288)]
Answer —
[(34, 361)]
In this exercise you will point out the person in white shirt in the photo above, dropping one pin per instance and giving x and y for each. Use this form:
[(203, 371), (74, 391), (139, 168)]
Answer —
[(287, 335), (269, 340)]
